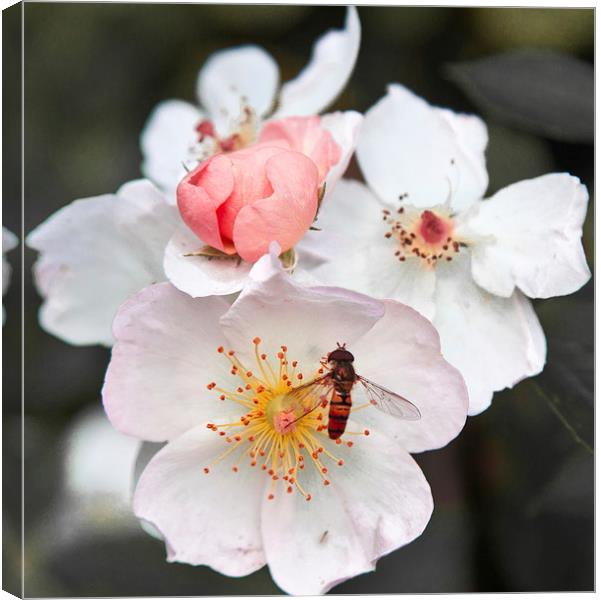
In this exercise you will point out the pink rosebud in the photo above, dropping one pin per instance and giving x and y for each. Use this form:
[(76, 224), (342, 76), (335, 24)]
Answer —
[(241, 201)]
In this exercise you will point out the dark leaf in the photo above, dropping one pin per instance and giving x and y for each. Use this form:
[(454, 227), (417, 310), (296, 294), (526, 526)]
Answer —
[(545, 92)]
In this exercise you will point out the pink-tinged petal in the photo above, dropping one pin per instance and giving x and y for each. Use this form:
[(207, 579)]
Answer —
[(494, 342), (308, 320), (285, 215), (168, 141), (234, 78), (201, 276), (408, 147), (251, 183), (321, 81), (344, 127), (206, 518), (94, 253), (201, 193), (402, 353), (377, 502), (164, 356), (306, 135), (533, 232)]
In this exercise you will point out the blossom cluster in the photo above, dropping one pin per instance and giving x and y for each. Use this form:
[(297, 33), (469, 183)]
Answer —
[(292, 335)]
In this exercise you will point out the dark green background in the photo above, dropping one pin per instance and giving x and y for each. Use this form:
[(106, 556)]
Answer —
[(513, 495)]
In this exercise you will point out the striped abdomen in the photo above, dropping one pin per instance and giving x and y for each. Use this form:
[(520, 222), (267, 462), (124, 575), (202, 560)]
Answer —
[(340, 408)]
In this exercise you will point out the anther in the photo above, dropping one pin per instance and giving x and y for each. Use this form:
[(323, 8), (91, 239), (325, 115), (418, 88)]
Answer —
[(206, 470), (220, 349), (231, 353), (366, 432), (256, 341), (326, 482), (270, 497)]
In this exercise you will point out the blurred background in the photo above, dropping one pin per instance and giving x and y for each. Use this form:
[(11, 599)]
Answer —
[(513, 494)]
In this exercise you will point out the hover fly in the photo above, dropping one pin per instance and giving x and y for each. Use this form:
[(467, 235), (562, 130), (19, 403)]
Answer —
[(335, 386)]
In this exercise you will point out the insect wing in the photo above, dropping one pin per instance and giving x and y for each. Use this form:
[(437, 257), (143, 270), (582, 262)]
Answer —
[(311, 395), (389, 402)]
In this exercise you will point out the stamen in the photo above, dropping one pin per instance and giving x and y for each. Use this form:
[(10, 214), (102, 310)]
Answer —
[(275, 432)]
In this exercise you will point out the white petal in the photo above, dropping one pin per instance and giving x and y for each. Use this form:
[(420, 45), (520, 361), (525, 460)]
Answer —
[(99, 461), (308, 320), (231, 78), (9, 241), (200, 275), (536, 230), (344, 127), (168, 141), (322, 80), (378, 501), (494, 342), (407, 146), (206, 519), (356, 254), (402, 353), (164, 356), (94, 253)]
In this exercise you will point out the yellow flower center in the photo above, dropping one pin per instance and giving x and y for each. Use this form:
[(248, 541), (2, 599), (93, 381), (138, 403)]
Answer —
[(279, 433)]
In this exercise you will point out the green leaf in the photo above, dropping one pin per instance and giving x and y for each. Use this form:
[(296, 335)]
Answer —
[(544, 92)]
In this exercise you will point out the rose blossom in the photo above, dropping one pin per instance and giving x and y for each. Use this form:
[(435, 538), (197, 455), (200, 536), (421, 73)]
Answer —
[(245, 479), (422, 234), (241, 201)]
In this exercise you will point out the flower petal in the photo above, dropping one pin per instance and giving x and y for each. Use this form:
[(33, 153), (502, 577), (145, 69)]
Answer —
[(494, 342), (306, 135), (201, 275), (285, 215), (377, 502), (233, 78), (164, 356), (201, 193), (322, 80), (277, 309), (206, 519), (9, 241), (168, 141), (536, 229), (402, 353), (344, 127), (356, 254), (407, 146), (99, 461), (94, 253)]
